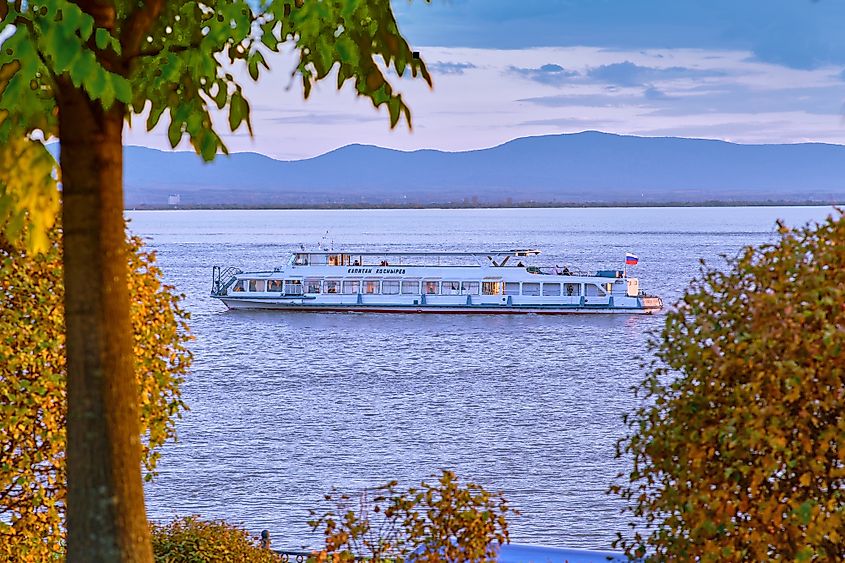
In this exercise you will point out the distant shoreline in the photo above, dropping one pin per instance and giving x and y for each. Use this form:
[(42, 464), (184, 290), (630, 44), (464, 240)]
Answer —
[(502, 205)]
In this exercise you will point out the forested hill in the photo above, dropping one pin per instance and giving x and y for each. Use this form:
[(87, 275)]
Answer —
[(573, 168)]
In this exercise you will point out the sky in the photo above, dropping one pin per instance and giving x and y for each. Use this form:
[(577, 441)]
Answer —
[(746, 71)]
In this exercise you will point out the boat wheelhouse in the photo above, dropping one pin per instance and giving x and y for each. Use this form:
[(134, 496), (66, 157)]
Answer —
[(495, 281)]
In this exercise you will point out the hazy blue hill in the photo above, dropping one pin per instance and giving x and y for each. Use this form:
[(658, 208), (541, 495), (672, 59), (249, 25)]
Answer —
[(582, 167)]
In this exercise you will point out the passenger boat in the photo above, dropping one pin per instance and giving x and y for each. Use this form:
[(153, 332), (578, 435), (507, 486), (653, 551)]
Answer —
[(494, 281)]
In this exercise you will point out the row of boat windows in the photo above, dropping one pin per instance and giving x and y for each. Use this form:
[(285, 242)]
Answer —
[(426, 287)]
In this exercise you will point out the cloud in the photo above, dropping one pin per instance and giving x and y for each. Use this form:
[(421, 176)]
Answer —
[(723, 99), (551, 74), (795, 33), (570, 123), (725, 130), (652, 93), (598, 100), (323, 118), (740, 99), (622, 74), (441, 67), (629, 74)]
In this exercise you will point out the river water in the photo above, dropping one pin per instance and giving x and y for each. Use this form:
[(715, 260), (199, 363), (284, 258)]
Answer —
[(286, 406)]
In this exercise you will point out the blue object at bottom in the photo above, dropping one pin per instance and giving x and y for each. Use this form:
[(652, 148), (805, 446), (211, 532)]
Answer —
[(523, 553)]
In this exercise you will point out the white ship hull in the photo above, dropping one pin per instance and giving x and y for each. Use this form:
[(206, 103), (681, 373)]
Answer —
[(314, 306), (443, 310)]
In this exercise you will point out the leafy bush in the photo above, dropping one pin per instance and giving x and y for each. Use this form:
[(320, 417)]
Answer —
[(441, 521), (32, 388), (736, 451), (191, 540)]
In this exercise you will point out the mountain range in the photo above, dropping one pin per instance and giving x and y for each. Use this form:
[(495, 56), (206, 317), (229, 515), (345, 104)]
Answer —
[(580, 168)]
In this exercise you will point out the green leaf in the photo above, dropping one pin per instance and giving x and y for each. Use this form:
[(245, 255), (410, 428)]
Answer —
[(60, 45), (122, 88), (174, 132), (394, 107), (84, 68), (101, 38), (236, 110), (222, 95), (346, 50), (253, 68), (268, 35), (108, 93), (156, 112)]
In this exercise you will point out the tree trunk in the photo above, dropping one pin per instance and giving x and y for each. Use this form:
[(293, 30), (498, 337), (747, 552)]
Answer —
[(106, 520)]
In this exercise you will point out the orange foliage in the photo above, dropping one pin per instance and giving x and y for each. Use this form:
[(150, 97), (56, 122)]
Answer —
[(736, 450), (32, 388), (442, 521)]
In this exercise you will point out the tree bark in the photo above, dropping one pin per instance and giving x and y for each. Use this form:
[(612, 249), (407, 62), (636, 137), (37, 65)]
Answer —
[(106, 519)]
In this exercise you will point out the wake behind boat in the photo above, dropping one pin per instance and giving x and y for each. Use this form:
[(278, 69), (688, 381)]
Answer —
[(494, 281)]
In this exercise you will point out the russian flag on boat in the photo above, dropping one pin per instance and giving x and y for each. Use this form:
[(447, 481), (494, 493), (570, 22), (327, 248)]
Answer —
[(631, 259)]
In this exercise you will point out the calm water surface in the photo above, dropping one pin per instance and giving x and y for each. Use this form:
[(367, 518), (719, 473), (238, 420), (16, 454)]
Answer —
[(285, 406)]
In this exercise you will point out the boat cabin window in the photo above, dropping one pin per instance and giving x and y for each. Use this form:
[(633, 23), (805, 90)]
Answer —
[(431, 287), (531, 288), (274, 285), (312, 286), (256, 285), (338, 260), (300, 260), (370, 286), (551, 289), (571, 289), (239, 286), (410, 287), (511, 288), (390, 287), (450, 288), (592, 290), (470, 288), (491, 288), (318, 259), (331, 286), (350, 286)]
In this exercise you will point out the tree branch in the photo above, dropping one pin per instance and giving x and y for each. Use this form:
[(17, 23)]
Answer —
[(137, 25), (168, 49)]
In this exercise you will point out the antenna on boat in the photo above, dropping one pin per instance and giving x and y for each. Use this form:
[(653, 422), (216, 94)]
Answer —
[(323, 246)]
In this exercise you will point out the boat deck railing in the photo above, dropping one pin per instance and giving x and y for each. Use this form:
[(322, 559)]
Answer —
[(292, 555), (295, 556), (223, 278), (543, 270), (293, 289)]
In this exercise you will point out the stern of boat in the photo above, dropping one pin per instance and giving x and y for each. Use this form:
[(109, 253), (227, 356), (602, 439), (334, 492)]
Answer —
[(222, 279)]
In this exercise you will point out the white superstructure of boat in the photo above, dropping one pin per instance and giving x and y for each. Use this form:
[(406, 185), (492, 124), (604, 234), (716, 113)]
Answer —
[(494, 281)]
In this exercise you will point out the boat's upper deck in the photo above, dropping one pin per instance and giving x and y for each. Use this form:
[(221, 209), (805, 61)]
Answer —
[(496, 258)]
